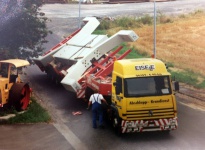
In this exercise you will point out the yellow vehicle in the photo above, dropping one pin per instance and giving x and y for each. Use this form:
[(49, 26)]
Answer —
[(13, 92), (143, 98), (140, 94)]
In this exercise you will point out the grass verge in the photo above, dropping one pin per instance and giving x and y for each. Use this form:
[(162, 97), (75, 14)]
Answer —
[(34, 114), (189, 77)]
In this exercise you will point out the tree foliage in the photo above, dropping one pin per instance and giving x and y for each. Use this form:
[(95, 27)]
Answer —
[(22, 29)]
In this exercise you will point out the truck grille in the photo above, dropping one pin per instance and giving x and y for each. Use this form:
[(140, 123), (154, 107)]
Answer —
[(149, 114)]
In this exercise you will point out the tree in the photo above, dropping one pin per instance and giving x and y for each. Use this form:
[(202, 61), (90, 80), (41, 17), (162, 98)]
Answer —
[(22, 29)]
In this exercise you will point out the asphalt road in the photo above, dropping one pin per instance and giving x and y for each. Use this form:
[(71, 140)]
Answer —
[(68, 132)]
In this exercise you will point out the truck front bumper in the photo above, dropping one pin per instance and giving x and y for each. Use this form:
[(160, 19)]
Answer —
[(149, 125)]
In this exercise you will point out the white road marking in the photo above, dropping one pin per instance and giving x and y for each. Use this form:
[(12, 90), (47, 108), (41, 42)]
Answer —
[(59, 124), (194, 106), (70, 136)]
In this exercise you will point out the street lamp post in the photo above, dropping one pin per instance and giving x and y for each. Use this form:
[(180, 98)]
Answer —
[(79, 4), (154, 51)]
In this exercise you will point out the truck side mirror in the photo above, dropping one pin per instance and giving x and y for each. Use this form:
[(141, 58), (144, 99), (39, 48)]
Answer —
[(118, 85), (118, 91), (117, 88), (176, 85)]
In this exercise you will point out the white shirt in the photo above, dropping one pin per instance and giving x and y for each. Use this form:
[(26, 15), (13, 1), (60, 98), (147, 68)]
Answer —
[(96, 98)]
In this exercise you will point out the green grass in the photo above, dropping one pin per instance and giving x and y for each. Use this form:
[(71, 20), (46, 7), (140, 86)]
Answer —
[(169, 64), (133, 54), (34, 114), (127, 22), (183, 77), (201, 85), (188, 77), (99, 32)]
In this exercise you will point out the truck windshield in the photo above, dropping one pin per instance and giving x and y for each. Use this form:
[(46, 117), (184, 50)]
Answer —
[(147, 86)]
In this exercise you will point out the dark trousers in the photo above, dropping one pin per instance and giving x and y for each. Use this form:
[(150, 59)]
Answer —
[(97, 112)]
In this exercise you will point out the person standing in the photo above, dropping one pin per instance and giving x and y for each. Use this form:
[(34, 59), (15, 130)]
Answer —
[(96, 100)]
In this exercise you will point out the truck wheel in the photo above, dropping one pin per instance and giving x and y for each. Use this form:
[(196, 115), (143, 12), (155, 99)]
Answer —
[(116, 125), (166, 132), (20, 96)]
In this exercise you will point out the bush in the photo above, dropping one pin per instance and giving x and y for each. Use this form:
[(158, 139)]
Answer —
[(145, 20)]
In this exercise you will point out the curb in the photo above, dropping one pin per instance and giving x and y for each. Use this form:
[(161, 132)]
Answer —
[(2, 118), (192, 92), (7, 117)]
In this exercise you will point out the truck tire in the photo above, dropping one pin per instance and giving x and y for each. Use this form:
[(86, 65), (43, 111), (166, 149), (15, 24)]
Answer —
[(116, 123), (19, 96), (167, 132)]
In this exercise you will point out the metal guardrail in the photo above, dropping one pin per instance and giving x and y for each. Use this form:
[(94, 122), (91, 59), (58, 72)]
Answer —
[(55, 1), (127, 1), (136, 1), (108, 1)]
